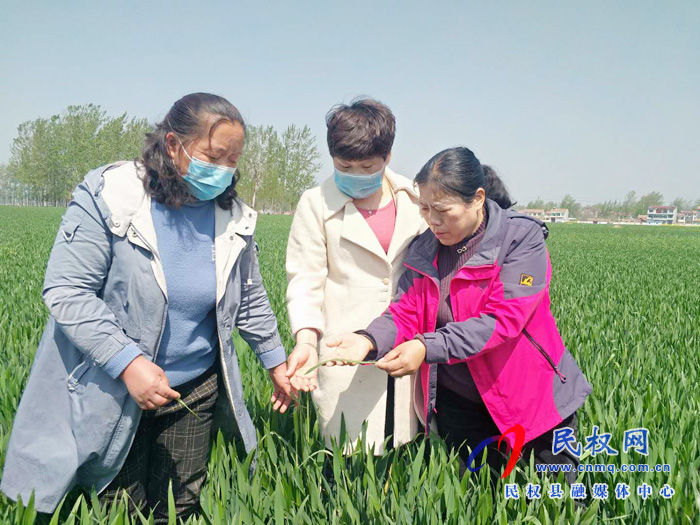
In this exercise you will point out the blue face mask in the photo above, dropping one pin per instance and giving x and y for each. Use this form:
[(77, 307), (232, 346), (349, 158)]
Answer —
[(206, 180), (358, 186)]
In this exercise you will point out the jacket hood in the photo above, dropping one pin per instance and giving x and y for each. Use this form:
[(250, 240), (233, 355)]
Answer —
[(120, 186)]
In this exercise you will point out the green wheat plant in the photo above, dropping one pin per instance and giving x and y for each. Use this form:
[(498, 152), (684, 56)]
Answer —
[(626, 302)]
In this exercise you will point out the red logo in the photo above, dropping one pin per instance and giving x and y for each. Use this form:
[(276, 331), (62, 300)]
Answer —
[(514, 450)]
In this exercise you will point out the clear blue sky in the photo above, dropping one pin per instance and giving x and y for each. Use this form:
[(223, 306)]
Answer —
[(593, 100)]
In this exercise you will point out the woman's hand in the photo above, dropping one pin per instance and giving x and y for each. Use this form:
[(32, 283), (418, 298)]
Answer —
[(403, 360), (303, 357), (284, 392), (148, 384), (352, 347)]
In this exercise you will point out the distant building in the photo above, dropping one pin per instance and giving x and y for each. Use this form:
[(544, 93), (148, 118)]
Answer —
[(642, 219), (662, 215), (538, 214), (688, 216), (557, 215)]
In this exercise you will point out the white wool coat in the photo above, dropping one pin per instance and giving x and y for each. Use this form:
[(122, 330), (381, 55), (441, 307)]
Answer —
[(339, 280)]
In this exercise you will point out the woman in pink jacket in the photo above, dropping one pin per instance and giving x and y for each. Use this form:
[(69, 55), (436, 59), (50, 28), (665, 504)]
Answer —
[(472, 313)]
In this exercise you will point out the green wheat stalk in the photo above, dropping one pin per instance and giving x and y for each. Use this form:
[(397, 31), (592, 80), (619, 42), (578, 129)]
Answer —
[(346, 361), (184, 405)]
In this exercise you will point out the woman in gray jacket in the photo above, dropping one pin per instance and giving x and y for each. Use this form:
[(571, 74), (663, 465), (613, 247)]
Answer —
[(153, 267)]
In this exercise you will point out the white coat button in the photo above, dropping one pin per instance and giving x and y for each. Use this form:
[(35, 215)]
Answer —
[(386, 280), (116, 224)]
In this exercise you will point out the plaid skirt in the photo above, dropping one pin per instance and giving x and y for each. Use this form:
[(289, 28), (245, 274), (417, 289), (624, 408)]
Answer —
[(171, 444)]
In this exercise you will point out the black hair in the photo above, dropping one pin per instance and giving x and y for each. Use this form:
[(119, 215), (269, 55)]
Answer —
[(187, 119), (457, 171), (361, 130)]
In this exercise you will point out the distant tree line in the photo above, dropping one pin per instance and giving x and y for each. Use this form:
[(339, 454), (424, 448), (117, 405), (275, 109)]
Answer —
[(50, 156), (630, 207), (276, 169)]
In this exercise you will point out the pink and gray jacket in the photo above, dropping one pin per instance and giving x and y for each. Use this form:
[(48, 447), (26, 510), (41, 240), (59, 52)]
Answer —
[(504, 329)]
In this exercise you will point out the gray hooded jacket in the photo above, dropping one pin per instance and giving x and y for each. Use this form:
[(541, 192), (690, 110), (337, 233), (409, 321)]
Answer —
[(105, 288)]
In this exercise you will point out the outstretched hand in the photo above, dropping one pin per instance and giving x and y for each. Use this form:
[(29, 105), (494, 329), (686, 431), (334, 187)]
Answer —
[(347, 348), (303, 358), (284, 393)]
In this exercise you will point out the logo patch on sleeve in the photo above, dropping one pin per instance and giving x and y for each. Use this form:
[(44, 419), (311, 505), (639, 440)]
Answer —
[(526, 280)]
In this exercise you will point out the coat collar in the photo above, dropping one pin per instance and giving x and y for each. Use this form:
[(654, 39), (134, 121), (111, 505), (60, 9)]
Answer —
[(128, 204), (335, 200), (128, 209), (355, 228)]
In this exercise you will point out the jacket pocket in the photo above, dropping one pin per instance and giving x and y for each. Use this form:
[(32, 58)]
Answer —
[(476, 273), (469, 289), (132, 327), (78, 373), (544, 354), (70, 224), (127, 308)]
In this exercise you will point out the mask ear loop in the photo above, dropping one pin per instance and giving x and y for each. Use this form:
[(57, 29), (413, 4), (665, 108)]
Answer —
[(391, 188), (200, 161), (183, 147), (172, 159)]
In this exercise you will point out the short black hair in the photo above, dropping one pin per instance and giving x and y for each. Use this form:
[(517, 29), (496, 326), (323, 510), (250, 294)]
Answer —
[(365, 128)]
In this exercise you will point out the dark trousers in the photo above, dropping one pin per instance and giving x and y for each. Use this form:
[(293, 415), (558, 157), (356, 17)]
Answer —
[(461, 422), (389, 419), (171, 444)]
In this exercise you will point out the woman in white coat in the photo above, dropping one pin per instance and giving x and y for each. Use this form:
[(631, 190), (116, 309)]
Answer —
[(346, 250)]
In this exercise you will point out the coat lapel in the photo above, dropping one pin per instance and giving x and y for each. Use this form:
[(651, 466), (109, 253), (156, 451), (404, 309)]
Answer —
[(408, 225), (142, 233), (130, 212), (357, 230), (229, 228)]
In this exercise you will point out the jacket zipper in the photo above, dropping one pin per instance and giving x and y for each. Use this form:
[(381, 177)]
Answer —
[(222, 360), (224, 370), (155, 350), (562, 377), (250, 266), (221, 350), (430, 367), (76, 378), (165, 310), (162, 329)]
